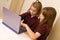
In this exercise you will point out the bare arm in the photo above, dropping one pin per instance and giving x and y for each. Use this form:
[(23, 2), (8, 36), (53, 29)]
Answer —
[(30, 32)]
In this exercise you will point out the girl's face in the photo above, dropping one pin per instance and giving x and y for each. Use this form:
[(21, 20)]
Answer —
[(41, 16), (33, 11)]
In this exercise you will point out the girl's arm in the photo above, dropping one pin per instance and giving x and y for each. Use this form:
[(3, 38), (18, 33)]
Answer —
[(30, 32)]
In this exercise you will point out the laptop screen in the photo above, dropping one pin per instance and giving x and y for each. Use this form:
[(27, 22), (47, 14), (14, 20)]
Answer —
[(11, 19)]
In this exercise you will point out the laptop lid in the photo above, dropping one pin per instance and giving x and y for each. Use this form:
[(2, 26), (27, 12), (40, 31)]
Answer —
[(11, 20)]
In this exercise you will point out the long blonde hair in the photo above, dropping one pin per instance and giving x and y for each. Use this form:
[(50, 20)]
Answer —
[(49, 14)]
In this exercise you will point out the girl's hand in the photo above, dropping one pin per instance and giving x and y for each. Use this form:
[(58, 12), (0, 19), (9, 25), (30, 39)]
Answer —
[(24, 25)]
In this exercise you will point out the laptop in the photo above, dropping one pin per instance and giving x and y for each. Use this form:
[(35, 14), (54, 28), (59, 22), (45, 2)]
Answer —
[(12, 21)]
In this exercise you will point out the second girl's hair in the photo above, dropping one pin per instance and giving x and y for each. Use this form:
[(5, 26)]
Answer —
[(49, 13)]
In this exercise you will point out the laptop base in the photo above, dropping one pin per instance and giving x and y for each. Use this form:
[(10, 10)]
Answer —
[(22, 29)]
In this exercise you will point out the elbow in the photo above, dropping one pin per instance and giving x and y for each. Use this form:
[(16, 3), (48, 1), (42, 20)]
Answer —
[(33, 37)]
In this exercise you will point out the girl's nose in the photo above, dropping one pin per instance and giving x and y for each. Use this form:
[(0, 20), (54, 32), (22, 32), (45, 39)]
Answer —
[(31, 11)]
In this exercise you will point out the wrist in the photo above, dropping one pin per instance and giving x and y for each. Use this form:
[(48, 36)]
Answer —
[(26, 26)]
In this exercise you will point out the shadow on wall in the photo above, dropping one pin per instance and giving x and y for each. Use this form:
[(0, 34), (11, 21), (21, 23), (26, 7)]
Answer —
[(55, 33)]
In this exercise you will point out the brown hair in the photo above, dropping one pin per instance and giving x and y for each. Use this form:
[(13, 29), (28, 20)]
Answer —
[(37, 4), (49, 14)]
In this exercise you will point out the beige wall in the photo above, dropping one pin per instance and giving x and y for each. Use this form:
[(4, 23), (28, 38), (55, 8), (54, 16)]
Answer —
[(4, 3), (16, 5)]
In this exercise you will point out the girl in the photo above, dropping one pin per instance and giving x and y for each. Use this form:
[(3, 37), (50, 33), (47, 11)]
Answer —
[(47, 18), (41, 31), (31, 16)]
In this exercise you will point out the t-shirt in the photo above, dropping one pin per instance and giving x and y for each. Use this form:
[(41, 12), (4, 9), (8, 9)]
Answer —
[(42, 30), (32, 22)]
